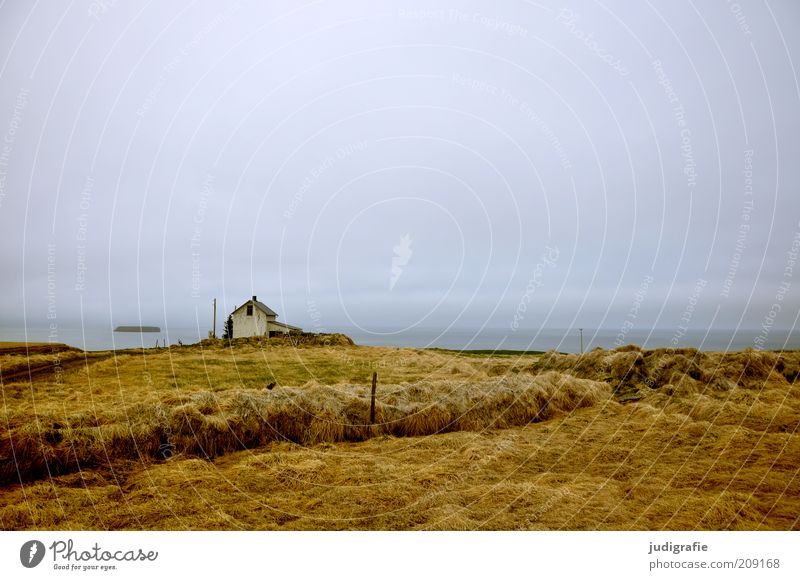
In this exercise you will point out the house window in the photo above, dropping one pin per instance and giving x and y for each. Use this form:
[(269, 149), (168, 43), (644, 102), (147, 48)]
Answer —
[(249, 310)]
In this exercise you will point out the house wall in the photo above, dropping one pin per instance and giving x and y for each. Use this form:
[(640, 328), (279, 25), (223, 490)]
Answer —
[(255, 325)]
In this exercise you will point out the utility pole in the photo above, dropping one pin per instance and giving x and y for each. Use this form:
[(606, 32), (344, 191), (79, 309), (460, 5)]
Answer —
[(214, 328), (581, 339)]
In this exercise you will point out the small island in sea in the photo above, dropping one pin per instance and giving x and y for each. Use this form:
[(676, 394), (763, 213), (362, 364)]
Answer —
[(137, 329)]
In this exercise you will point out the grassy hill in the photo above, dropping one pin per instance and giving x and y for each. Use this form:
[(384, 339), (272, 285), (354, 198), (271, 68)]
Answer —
[(275, 435)]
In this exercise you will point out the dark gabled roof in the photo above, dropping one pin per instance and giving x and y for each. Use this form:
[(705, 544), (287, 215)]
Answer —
[(267, 310), (263, 307)]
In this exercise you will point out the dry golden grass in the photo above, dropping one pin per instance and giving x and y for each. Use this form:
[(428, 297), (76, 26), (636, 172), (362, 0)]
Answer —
[(191, 439), (207, 424), (12, 345), (13, 362)]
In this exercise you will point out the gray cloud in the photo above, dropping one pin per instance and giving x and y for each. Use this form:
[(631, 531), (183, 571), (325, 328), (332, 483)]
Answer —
[(172, 154)]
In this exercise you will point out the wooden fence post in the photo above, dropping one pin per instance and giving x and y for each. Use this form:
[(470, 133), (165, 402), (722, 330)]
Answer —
[(372, 400)]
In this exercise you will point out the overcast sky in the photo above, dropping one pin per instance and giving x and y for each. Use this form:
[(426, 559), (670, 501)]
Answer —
[(390, 164)]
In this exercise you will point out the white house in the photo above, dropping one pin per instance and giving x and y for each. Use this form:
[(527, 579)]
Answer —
[(254, 318)]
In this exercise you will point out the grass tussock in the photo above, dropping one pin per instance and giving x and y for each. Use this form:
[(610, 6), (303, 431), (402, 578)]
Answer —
[(631, 370), (208, 425)]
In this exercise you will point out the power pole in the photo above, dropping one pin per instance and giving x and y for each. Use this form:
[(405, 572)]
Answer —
[(581, 339), (214, 328)]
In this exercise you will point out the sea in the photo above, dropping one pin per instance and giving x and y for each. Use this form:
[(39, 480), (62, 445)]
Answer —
[(560, 339)]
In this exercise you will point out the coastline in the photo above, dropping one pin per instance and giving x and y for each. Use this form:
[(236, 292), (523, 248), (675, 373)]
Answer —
[(492, 339)]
